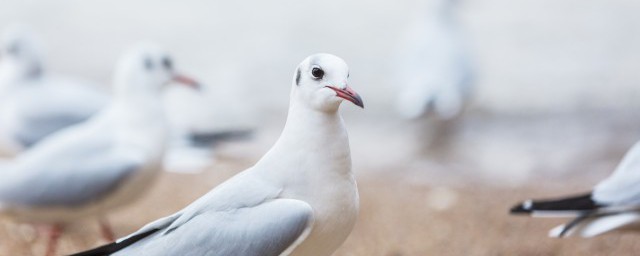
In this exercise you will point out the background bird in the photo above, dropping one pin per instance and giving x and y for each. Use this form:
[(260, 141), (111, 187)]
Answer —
[(33, 102), (434, 70), (104, 163), (299, 199), (613, 203)]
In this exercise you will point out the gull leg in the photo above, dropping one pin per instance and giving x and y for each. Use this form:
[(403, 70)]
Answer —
[(54, 233), (105, 230)]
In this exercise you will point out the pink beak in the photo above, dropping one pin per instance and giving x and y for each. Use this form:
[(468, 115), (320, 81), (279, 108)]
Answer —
[(185, 80), (348, 94)]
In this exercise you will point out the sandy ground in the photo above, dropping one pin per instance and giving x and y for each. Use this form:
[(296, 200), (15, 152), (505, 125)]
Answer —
[(422, 202), (396, 219)]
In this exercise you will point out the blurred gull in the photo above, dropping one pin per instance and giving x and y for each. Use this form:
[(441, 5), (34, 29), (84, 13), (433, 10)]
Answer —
[(33, 103), (299, 199), (613, 203), (434, 69), (90, 168), (199, 122)]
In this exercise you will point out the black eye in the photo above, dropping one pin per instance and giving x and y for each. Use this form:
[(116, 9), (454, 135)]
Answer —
[(148, 63), (317, 73), (167, 63), (14, 49)]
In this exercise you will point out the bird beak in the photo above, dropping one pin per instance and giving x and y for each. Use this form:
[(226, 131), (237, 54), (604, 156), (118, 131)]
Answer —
[(348, 94), (185, 80)]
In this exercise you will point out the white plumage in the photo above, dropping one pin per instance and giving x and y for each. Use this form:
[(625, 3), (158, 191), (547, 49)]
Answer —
[(300, 198)]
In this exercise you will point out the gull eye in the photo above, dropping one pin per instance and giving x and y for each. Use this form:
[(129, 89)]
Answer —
[(167, 63), (317, 73)]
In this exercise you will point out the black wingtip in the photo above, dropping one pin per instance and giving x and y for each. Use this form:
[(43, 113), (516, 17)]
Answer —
[(212, 139), (111, 248), (522, 208), (582, 202)]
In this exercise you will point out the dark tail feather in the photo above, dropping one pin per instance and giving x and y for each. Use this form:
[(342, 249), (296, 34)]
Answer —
[(108, 249), (211, 139), (581, 203)]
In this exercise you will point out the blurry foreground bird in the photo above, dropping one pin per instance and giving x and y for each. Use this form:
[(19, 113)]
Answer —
[(612, 204)]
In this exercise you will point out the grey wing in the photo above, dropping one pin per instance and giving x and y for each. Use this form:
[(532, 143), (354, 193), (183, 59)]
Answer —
[(270, 228), (66, 178), (44, 111), (37, 127)]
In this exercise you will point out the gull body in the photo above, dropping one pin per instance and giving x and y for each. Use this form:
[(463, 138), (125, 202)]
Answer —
[(34, 103), (614, 203), (300, 198), (106, 162), (434, 69)]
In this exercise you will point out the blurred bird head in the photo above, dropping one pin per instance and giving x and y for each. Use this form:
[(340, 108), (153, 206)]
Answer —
[(147, 69), (20, 52), (320, 82)]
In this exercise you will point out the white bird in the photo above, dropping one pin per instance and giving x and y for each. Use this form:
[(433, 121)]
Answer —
[(106, 162), (299, 199), (612, 204), (197, 127), (34, 103), (200, 121), (434, 70)]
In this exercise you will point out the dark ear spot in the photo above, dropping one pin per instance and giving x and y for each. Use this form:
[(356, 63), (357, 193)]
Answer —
[(298, 77), (14, 49)]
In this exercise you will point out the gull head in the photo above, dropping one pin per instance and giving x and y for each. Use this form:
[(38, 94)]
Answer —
[(321, 82), (147, 68), (20, 51)]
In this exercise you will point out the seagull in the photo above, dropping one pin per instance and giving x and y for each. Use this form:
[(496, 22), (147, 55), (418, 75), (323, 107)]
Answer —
[(88, 169), (433, 67), (197, 128), (33, 103), (612, 204), (300, 198)]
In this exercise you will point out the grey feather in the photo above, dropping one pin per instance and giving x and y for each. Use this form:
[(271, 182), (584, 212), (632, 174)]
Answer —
[(266, 229), (83, 169)]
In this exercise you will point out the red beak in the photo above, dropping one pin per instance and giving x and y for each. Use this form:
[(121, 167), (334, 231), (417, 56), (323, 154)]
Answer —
[(348, 94), (185, 80)]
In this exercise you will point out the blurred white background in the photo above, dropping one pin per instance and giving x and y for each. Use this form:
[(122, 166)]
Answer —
[(542, 56)]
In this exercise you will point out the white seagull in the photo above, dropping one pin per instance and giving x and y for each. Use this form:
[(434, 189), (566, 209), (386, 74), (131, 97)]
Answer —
[(434, 69), (612, 204), (106, 162), (34, 103), (299, 199)]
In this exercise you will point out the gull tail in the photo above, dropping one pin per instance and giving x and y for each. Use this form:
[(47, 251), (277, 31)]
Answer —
[(590, 226), (210, 139), (114, 247), (574, 206)]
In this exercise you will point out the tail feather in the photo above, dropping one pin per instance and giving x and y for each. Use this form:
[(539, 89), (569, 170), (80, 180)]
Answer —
[(209, 139), (114, 247), (569, 206)]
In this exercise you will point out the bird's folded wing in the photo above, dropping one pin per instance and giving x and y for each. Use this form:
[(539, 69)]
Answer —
[(42, 115), (621, 188), (60, 180), (271, 228)]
